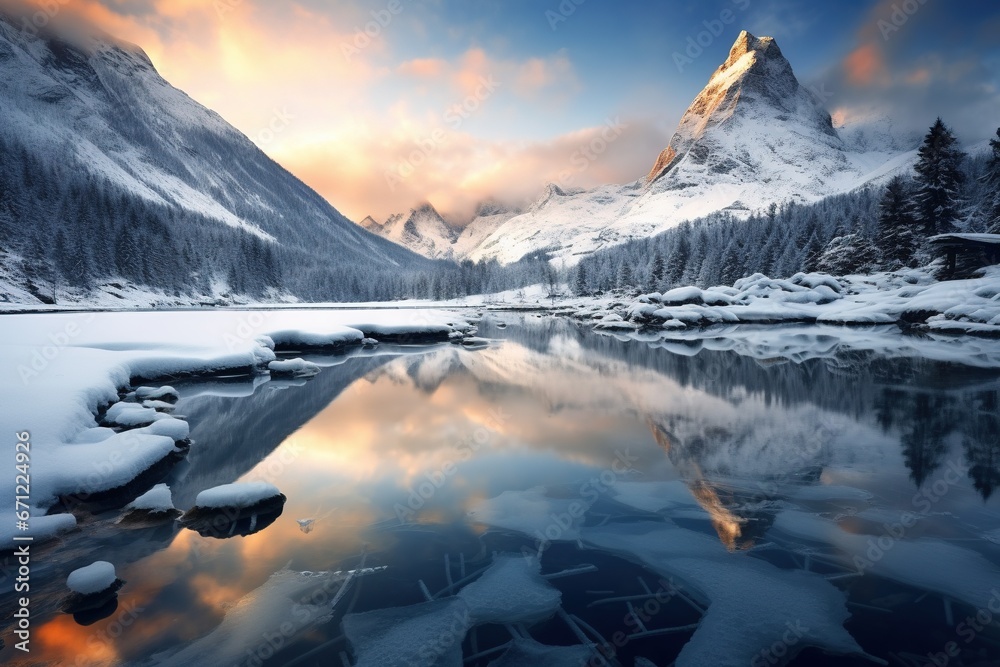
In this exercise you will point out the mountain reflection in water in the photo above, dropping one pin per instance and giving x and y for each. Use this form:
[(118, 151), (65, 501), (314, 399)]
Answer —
[(415, 454)]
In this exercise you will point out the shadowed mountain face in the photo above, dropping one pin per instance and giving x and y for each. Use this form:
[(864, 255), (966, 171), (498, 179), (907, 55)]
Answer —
[(125, 158)]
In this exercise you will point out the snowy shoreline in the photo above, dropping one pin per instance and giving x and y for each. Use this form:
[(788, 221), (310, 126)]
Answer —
[(98, 438)]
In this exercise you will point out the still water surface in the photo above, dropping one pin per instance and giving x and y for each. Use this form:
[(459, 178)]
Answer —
[(853, 490)]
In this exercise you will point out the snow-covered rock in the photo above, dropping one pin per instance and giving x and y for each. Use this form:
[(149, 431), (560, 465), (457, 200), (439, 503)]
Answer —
[(94, 578), (238, 494)]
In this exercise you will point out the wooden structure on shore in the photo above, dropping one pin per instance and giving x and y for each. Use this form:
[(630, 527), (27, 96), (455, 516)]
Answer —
[(976, 250)]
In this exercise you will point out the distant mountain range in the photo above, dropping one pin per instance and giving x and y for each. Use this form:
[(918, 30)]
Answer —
[(753, 136), (97, 146)]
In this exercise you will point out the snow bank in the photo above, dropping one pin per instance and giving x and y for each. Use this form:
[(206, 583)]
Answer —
[(294, 367), (910, 297), (63, 368), (94, 578), (237, 495)]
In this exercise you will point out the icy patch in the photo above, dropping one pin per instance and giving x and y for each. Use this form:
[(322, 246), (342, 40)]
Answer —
[(94, 578), (531, 512), (529, 652), (655, 496), (925, 563), (288, 603), (429, 633), (238, 494), (751, 603), (511, 591), (825, 493)]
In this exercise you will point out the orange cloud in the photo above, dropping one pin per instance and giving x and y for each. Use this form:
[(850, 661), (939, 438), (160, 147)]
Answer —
[(918, 77), (423, 67), (865, 65)]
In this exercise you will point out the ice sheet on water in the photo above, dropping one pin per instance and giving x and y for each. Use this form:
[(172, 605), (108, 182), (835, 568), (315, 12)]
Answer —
[(512, 590), (823, 492), (529, 652), (751, 603), (925, 563), (533, 513), (294, 367), (429, 633), (655, 496), (93, 578), (287, 604)]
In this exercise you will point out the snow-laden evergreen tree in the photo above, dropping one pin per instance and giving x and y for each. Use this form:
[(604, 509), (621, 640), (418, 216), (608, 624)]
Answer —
[(896, 225), (939, 180), (847, 254), (991, 181)]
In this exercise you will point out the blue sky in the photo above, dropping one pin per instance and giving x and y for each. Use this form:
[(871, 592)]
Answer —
[(453, 101)]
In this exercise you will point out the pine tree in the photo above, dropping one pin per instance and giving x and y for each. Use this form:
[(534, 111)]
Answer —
[(896, 225), (939, 180), (992, 181), (580, 286), (657, 269)]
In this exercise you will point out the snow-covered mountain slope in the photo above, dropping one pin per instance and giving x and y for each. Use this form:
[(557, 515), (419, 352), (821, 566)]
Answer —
[(424, 231), (753, 136), (97, 109)]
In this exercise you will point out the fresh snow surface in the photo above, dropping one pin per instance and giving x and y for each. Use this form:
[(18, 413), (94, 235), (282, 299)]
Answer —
[(954, 306), (297, 367), (65, 366), (94, 578), (157, 499), (238, 494)]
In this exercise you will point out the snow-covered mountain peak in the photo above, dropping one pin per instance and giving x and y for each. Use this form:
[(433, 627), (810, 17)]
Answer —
[(756, 85)]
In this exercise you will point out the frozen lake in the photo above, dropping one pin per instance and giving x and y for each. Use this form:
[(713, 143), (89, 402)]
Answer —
[(809, 501)]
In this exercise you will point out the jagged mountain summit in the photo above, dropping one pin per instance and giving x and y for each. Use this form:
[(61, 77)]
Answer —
[(425, 231), (753, 136), (147, 186)]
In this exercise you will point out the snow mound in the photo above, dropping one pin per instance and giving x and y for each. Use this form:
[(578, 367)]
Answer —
[(157, 499), (293, 367), (94, 578), (165, 393), (239, 495)]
